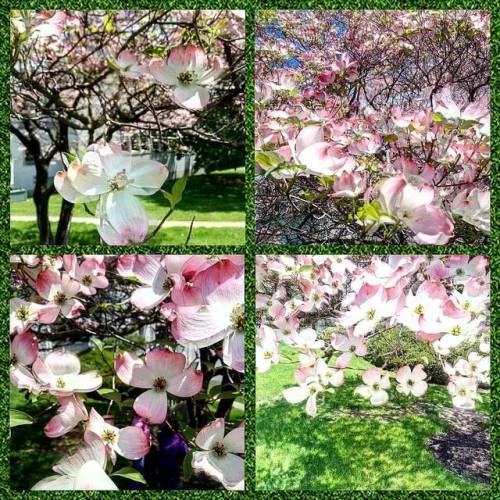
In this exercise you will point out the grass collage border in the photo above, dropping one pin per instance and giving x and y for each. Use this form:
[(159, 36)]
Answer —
[(250, 249)]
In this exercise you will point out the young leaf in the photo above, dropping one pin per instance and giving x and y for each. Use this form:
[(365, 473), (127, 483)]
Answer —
[(17, 417), (187, 468), (178, 188), (110, 394), (130, 473)]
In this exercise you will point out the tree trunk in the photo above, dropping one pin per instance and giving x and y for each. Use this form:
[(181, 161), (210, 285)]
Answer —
[(41, 196), (64, 223)]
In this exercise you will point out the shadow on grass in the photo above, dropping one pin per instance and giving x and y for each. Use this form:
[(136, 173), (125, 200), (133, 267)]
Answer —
[(207, 193), (350, 445)]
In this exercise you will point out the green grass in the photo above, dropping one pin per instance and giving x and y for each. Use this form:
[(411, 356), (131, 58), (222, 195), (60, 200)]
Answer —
[(86, 234), (218, 197), (349, 445)]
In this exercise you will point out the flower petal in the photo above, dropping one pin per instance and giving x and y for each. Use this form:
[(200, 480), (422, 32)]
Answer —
[(235, 440), (194, 97), (152, 405), (186, 384), (131, 370), (132, 443), (165, 363), (91, 476), (211, 434), (25, 348)]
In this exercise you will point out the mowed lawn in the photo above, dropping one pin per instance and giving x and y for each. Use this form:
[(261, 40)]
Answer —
[(349, 445), (219, 197)]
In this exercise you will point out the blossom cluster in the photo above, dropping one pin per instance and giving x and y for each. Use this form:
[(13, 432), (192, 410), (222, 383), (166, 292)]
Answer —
[(442, 300), (416, 161), (201, 304)]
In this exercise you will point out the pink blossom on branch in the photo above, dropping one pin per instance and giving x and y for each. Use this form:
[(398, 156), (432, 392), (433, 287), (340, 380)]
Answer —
[(162, 372)]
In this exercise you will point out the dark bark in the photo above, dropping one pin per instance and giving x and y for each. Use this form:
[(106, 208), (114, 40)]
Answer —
[(64, 224), (66, 213), (41, 196)]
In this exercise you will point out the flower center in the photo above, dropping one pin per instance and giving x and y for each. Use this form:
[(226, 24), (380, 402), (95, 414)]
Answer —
[(108, 436), (60, 383), (462, 392), (410, 382), (419, 309), (168, 284), (87, 280), (23, 313), (460, 272), (219, 449), (268, 355), (119, 181), (456, 330), (370, 315), (313, 390), (376, 387), (60, 298), (13, 359), (238, 318), (185, 78), (160, 384), (466, 305), (352, 348)]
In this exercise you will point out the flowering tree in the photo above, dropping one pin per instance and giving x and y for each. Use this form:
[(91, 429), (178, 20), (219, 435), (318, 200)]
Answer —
[(151, 412), (372, 126), (96, 74), (443, 301)]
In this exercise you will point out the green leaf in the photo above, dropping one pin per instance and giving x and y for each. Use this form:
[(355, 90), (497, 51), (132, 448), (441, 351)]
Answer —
[(130, 473), (306, 268), (369, 211), (267, 159), (98, 343), (178, 188), (438, 118), (175, 196), (109, 23), (110, 394), (391, 138), (187, 468), (17, 417)]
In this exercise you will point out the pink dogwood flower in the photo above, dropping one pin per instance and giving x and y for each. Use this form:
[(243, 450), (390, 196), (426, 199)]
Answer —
[(412, 206), (375, 387), (189, 71), (83, 470), (115, 178), (464, 392), (411, 381), (23, 353), (348, 185), (219, 457), (71, 412), (163, 372), (220, 313), (60, 291), (129, 442), (89, 274), (307, 390), (474, 208), (23, 314), (60, 374)]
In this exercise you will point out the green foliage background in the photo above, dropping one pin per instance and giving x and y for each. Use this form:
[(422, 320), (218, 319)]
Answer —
[(250, 249)]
